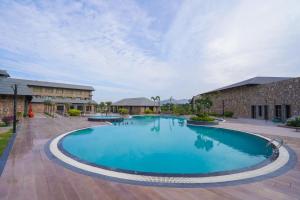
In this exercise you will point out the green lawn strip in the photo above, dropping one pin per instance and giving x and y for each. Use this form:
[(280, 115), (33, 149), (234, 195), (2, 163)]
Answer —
[(4, 139)]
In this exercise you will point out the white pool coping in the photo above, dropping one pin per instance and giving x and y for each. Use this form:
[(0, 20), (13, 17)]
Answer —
[(281, 160)]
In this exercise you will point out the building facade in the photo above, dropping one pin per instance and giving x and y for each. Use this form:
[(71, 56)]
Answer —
[(135, 105), (268, 98), (44, 96)]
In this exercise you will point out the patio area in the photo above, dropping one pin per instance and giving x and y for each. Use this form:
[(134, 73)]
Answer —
[(29, 174)]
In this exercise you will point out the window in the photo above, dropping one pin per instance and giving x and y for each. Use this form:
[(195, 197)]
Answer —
[(89, 108), (59, 91), (253, 112), (37, 89), (278, 113), (60, 108), (260, 111), (287, 111), (49, 90), (266, 112)]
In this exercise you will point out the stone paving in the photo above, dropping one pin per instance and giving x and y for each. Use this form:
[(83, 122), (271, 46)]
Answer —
[(29, 174)]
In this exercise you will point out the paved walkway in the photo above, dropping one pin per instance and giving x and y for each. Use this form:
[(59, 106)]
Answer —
[(260, 127), (29, 174)]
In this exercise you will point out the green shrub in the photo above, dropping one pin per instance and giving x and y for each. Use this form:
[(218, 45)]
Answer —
[(294, 122), (228, 114), (148, 111), (204, 118), (74, 112), (215, 114), (123, 111), (2, 124)]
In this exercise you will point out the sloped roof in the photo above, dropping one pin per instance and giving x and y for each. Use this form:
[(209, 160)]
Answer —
[(140, 101), (53, 84), (62, 100), (3, 73), (259, 80), (6, 87)]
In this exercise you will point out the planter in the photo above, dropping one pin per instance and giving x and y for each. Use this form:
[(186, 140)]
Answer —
[(202, 123)]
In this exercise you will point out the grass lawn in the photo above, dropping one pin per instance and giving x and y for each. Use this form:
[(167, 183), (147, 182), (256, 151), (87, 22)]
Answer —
[(4, 138)]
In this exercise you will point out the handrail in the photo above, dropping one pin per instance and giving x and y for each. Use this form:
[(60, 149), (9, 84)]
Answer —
[(279, 140)]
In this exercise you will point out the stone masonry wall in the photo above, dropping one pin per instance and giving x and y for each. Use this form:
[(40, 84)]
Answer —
[(38, 107), (60, 92), (239, 100), (6, 105)]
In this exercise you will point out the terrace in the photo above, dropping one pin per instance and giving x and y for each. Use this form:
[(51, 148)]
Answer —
[(30, 174)]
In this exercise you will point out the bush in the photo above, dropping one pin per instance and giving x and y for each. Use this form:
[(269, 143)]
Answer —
[(74, 112), (294, 122), (8, 120), (215, 114), (2, 124), (228, 114), (148, 111), (123, 111), (204, 118)]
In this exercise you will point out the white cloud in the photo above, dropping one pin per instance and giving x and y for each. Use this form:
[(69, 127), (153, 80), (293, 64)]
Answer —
[(82, 43), (228, 43), (113, 46)]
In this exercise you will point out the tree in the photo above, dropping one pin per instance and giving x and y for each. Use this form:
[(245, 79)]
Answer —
[(101, 106), (171, 104), (203, 105), (156, 99)]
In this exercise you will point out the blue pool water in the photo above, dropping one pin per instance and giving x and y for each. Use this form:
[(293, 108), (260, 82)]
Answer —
[(166, 145), (105, 117)]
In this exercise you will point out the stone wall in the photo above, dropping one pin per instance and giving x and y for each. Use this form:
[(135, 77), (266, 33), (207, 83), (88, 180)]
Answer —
[(6, 105), (38, 107), (239, 100), (61, 92)]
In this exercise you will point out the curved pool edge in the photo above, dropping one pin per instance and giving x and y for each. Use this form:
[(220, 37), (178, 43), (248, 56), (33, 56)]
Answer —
[(269, 170)]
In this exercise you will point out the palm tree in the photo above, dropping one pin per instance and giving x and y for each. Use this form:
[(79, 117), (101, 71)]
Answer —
[(170, 104), (154, 99), (157, 98)]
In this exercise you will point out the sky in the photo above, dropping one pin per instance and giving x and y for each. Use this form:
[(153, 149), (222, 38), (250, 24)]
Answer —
[(141, 48)]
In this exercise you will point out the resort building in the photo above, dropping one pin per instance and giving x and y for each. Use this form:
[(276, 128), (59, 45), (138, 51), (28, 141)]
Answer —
[(135, 105), (268, 98), (43, 96)]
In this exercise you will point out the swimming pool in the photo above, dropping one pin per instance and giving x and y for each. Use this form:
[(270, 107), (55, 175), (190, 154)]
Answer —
[(153, 146), (105, 118)]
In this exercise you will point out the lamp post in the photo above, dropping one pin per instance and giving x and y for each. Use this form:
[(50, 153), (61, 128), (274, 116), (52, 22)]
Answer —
[(15, 88)]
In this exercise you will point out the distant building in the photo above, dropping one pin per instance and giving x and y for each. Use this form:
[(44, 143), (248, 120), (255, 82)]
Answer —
[(41, 95), (135, 105), (265, 98)]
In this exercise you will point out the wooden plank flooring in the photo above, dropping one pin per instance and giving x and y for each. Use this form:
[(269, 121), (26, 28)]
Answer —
[(29, 174)]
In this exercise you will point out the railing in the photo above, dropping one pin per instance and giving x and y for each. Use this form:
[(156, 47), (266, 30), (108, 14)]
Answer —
[(280, 143)]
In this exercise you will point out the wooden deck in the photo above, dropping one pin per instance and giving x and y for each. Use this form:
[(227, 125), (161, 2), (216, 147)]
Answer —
[(29, 174)]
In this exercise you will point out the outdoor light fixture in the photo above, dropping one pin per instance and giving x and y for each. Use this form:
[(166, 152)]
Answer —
[(15, 89)]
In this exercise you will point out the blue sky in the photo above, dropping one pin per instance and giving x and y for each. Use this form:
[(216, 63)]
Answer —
[(144, 48)]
